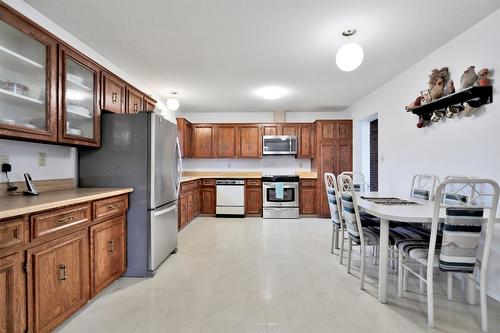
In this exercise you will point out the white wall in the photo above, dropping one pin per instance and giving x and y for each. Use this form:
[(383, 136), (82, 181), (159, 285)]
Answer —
[(463, 146), (268, 164), (23, 156), (260, 117)]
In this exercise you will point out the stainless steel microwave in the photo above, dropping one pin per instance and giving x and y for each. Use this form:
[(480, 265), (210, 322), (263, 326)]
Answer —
[(279, 145)]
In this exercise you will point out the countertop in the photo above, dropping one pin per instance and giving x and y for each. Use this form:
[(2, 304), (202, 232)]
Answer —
[(19, 204), (195, 175)]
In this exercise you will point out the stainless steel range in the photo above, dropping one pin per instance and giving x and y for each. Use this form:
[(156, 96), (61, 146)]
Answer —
[(280, 197)]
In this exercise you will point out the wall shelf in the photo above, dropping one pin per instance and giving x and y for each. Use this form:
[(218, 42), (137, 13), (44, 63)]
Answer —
[(475, 96)]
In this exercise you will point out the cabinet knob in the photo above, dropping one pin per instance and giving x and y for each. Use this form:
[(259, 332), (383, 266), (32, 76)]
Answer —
[(113, 206), (64, 220), (63, 272), (114, 97), (111, 246)]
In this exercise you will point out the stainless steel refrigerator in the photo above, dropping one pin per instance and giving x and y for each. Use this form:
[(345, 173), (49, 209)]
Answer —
[(141, 151)]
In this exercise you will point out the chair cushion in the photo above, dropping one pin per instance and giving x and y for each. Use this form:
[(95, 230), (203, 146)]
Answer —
[(417, 249), (408, 232), (421, 194)]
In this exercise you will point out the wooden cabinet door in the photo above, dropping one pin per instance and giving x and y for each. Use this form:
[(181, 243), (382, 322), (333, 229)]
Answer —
[(289, 129), (306, 141), (208, 200), (182, 211), (190, 207), (107, 253), (344, 156), (12, 294), (250, 141), (149, 103), (28, 103), (197, 201), (326, 129), (253, 201), (134, 101), (58, 280), (203, 137), (327, 164), (225, 140), (271, 129), (308, 194), (345, 130), (113, 93), (185, 130)]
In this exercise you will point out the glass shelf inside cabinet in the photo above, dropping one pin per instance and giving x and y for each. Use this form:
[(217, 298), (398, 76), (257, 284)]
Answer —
[(79, 101), (22, 79)]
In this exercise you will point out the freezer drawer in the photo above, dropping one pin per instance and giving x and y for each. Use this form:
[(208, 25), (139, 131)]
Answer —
[(163, 240)]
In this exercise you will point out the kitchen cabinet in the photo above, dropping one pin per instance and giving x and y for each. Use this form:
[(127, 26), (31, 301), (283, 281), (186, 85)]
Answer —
[(308, 190), (271, 129), (12, 294), (253, 197), (203, 141), (183, 212), (208, 197), (289, 129), (28, 79), (58, 279), (107, 253), (225, 141), (80, 116), (249, 141), (189, 202), (185, 133), (306, 141), (135, 101), (149, 103), (197, 198), (113, 93)]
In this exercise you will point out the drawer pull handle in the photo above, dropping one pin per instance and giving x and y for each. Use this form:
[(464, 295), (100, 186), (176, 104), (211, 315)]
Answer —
[(64, 220), (111, 246), (114, 97), (113, 206), (63, 272)]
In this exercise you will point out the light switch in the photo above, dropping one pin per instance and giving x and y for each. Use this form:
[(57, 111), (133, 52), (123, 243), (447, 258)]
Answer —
[(42, 159)]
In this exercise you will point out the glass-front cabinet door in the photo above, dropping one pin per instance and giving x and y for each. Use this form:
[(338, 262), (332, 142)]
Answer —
[(79, 85), (28, 59)]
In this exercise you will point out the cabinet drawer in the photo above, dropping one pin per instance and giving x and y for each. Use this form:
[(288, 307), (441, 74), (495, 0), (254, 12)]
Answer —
[(187, 186), (254, 182), (208, 182), (53, 221), (13, 232), (308, 182), (110, 207)]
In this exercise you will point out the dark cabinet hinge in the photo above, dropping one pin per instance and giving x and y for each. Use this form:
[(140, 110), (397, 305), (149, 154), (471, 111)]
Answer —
[(25, 267)]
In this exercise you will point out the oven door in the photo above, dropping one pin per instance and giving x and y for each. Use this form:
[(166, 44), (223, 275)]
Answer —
[(290, 195)]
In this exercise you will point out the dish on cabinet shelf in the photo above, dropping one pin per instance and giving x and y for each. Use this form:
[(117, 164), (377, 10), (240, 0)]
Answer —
[(74, 131), (14, 87), (79, 111)]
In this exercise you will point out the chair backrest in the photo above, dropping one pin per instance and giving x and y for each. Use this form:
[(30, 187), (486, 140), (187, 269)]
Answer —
[(333, 196), (423, 186), (458, 194), (350, 210), (358, 180), (463, 224)]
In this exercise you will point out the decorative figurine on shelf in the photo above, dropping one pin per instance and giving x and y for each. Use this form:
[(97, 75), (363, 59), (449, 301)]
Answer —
[(468, 110), (469, 78), (416, 103), (450, 87), (426, 96), (422, 123), (484, 80), (438, 90), (452, 111), (436, 74)]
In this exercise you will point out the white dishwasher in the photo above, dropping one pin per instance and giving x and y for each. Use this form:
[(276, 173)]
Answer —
[(230, 197)]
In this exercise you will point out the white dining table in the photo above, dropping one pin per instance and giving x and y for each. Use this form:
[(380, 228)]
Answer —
[(421, 213)]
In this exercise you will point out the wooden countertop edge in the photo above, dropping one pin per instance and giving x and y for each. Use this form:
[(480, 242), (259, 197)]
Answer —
[(8, 213)]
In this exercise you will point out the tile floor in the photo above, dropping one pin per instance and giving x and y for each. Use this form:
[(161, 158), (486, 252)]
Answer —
[(255, 276)]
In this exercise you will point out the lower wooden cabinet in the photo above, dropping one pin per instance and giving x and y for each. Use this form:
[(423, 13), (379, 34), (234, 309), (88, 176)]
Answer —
[(107, 253), (12, 294), (253, 197), (57, 280), (208, 200), (308, 193), (190, 205)]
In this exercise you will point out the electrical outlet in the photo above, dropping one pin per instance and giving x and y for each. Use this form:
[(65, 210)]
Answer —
[(301, 165), (4, 159), (42, 159)]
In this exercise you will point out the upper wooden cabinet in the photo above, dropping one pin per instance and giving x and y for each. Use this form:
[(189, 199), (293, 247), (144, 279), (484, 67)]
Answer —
[(203, 138), (249, 141), (149, 103), (289, 129), (12, 294), (306, 141), (113, 93), (225, 140), (80, 116), (334, 129), (185, 134), (134, 100), (271, 129), (28, 72)]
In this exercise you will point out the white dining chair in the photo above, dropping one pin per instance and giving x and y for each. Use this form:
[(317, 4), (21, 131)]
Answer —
[(457, 250), (360, 232), (358, 180), (423, 186), (333, 197)]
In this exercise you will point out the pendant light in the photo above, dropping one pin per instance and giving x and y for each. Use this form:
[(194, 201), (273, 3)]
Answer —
[(350, 55), (173, 103)]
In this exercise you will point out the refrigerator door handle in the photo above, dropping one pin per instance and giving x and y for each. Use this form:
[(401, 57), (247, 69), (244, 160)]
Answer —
[(178, 169), (165, 211)]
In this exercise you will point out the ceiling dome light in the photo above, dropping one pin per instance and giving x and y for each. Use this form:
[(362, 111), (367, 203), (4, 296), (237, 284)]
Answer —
[(173, 103), (271, 92), (350, 55)]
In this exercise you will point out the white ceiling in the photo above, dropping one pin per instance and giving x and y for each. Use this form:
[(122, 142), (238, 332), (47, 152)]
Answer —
[(217, 52)]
